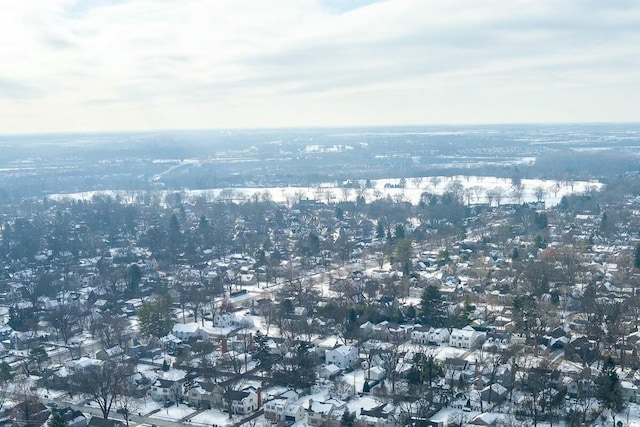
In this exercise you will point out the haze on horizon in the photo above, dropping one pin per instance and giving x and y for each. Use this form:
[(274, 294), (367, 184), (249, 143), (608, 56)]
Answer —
[(117, 65)]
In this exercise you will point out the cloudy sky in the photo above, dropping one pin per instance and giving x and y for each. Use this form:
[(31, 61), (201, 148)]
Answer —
[(78, 65)]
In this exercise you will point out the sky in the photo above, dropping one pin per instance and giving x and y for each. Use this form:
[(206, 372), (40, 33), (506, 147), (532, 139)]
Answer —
[(112, 65)]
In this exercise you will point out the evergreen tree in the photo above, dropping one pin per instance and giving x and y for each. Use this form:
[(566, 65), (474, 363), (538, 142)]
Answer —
[(380, 230), (56, 420), (636, 262), (609, 389), (155, 317), (38, 355), (432, 307), (5, 373), (348, 419), (263, 353)]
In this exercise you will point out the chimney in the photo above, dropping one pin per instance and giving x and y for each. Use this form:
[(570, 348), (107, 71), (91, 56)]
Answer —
[(259, 392), (223, 345)]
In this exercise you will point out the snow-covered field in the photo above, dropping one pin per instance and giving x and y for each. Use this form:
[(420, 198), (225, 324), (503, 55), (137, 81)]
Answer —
[(474, 187)]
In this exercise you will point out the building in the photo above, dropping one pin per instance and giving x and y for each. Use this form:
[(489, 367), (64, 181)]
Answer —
[(434, 336), (164, 390), (276, 408), (245, 401), (343, 356), (201, 395), (467, 338)]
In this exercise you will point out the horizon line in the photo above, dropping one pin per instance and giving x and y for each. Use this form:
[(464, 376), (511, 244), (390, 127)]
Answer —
[(313, 127)]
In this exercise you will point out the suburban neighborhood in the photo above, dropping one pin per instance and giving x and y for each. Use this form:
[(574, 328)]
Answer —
[(495, 311)]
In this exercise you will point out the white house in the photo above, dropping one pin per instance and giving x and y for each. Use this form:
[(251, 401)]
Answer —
[(231, 320), (294, 412), (329, 371), (343, 356), (434, 336), (466, 338), (245, 401), (376, 373), (184, 331), (164, 390), (275, 409)]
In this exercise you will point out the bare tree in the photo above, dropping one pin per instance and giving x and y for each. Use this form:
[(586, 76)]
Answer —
[(127, 402), (175, 392), (346, 193), (64, 318), (517, 192), (27, 406), (539, 192), (112, 331), (103, 384)]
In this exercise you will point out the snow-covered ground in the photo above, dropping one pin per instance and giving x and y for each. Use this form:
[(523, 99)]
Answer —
[(474, 187), (212, 417), (174, 412)]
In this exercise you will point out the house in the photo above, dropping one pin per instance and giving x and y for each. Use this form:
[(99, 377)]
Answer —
[(376, 373), (244, 402), (378, 416), (494, 393), (467, 338), (72, 417), (263, 306), (170, 343), (26, 340), (455, 364), (293, 413), (321, 413), (5, 332), (164, 390), (343, 356), (329, 371), (185, 331), (38, 413), (276, 408), (484, 419), (367, 328), (113, 353), (201, 395)]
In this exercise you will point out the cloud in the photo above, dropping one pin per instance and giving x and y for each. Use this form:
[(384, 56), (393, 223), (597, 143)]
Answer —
[(196, 63)]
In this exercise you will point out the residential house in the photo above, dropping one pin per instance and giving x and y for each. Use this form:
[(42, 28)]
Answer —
[(455, 364), (293, 413), (484, 419), (378, 416), (244, 402), (343, 356), (114, 353), (164, 390), (186, 331), (494, 393), (38, 414), (467, 338), (275, 409), (322, 414), (329, 371), (72, 417), (201, 395)]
